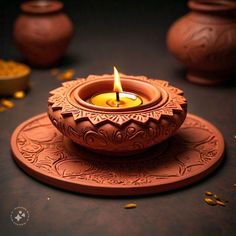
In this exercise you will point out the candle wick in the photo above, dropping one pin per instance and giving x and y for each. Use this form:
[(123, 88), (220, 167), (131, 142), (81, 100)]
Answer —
[(117, 96)]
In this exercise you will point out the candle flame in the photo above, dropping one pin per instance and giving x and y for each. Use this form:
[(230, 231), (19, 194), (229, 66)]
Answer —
[(117, 83)]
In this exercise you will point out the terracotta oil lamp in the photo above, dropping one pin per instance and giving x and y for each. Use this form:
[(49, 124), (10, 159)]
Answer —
[(104, 143), (133, 116)]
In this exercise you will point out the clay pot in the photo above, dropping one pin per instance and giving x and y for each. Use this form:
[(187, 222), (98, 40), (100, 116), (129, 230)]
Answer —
[(205, 41), (42, 32), (117, 131)]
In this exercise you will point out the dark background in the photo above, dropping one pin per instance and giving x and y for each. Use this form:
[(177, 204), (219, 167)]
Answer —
[(130, 34)]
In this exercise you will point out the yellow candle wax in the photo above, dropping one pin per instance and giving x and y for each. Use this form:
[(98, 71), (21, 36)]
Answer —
[(109, 99)]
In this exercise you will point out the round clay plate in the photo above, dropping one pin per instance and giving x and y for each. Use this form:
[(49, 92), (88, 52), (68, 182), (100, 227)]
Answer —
[(41, 151)]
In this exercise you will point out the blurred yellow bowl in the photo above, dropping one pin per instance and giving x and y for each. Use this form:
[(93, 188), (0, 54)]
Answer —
[(9, 84)]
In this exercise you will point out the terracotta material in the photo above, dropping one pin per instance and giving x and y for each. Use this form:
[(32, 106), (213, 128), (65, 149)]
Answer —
[(205, 41), (42, 32), (194, 152), (117, 131)]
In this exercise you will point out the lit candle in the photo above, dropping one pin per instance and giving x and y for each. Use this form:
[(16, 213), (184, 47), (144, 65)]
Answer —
[(117, 98)]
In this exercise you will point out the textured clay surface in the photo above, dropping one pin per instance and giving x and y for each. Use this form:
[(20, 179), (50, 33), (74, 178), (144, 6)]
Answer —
[(205, 41), (44, 153), (122, 131)]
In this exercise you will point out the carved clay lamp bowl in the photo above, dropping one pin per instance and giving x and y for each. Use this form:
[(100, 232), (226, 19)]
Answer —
[(117, 130)]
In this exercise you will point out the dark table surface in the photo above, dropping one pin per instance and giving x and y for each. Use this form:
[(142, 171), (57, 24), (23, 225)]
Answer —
[(131, 35)]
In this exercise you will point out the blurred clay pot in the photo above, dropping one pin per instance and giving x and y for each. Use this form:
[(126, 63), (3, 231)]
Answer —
[(205, 41), (42, 32)]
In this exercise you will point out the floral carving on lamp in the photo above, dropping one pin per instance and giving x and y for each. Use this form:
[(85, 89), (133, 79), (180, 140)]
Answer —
[(119, 131)]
